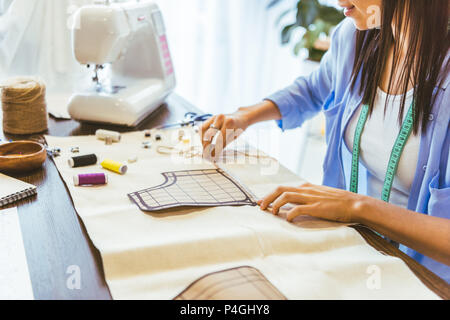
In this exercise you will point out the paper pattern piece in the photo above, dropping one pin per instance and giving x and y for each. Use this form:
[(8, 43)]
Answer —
[(243, 283), (193, 188), (15, 283)]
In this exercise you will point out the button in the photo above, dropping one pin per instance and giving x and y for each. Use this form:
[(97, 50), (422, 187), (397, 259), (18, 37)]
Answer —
[(431, 117), (425, 167), (133, 159)]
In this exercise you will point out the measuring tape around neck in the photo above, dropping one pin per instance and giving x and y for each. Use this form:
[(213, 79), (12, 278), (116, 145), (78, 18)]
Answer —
[(397, 150)]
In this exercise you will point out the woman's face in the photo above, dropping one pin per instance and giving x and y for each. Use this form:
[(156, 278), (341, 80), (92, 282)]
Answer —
[(366, 14)]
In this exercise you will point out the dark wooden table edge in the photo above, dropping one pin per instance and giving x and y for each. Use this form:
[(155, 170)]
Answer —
[(428, 278)]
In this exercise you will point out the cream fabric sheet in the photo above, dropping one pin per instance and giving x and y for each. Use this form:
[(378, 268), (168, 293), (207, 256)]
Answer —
[(157, 255)]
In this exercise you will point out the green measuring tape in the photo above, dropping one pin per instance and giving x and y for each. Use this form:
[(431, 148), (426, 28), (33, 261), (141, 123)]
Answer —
[(399, 146)]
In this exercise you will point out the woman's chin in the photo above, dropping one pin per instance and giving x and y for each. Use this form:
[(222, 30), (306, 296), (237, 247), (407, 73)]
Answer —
[(361, 24)]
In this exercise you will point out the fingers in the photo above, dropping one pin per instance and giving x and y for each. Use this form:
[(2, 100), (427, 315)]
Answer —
[(300, 210), (211, 127), (217, 133), (205, 126), (285, 198), (270, 198), (228, 133), (211, 130)]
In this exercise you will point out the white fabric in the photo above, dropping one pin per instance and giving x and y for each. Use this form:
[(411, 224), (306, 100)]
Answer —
[(157, 255), (377, 141)]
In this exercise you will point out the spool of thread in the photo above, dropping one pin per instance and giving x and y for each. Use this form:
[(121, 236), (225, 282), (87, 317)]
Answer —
[(83, 161), (90, 179), (114, 166), (24, 106), (102, 134)]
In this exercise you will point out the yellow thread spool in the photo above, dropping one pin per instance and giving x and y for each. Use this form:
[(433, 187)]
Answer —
[(114, 166)]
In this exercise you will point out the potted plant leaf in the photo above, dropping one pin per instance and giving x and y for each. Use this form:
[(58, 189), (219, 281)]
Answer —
[(316, 19)]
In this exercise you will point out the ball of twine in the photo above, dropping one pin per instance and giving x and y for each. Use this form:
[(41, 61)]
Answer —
[(24, 106)]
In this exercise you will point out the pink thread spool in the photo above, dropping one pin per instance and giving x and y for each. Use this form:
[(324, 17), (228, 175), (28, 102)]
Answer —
[(90, 179)]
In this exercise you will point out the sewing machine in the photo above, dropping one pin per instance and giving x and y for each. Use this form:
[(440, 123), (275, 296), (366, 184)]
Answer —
[(126, 44)]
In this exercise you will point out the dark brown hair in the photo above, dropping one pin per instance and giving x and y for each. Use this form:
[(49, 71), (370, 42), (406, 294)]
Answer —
[(425, 66)]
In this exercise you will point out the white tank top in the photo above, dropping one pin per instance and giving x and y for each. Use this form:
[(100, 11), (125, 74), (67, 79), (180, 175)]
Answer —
[(377, 141)]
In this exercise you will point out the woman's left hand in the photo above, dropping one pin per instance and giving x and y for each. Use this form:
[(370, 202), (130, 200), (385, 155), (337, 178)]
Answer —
[(317, 201)]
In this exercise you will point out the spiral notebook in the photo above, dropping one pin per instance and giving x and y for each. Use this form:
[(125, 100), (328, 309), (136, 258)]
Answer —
[(12, 190)]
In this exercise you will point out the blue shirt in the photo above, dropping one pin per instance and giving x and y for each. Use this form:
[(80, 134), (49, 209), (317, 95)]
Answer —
[(328, 89)]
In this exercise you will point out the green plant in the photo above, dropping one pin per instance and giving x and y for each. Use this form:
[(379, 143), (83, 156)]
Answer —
[(315, 18)]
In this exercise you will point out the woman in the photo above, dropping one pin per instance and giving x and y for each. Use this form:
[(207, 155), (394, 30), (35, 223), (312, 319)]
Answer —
[(383, 87)]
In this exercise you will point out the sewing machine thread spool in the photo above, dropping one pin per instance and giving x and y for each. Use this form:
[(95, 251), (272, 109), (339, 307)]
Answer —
[(114, 166), (102, 134), (83, 161), (90, 179)]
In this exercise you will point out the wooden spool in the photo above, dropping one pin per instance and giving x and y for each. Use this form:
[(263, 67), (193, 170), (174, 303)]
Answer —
[(21, 156)]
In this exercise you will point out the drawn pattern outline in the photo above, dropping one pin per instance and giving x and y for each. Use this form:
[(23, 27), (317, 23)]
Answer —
[(193, 188)]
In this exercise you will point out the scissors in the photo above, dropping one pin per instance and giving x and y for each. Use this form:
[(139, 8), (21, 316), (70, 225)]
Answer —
[(190, 119)]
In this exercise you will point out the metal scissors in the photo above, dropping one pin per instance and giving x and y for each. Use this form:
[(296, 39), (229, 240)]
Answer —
[(190, 119)]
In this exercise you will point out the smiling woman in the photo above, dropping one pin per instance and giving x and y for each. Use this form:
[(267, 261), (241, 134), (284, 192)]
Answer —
[(382, 85)]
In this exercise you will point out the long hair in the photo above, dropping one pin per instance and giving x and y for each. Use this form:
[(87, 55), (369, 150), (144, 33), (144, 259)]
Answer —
[(426, 24)]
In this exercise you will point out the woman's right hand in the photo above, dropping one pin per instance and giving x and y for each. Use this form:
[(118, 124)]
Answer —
[(220, 130)]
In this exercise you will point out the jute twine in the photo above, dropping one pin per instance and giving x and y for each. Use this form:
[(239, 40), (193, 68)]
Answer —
[(24, 106)]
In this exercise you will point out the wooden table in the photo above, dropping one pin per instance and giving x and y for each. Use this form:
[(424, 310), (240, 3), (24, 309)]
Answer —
[(56, 239)]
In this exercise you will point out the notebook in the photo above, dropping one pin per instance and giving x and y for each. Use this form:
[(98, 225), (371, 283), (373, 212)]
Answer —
[(12, 190)]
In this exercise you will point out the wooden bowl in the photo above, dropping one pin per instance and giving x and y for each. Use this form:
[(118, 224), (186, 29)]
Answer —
[(21, 156)]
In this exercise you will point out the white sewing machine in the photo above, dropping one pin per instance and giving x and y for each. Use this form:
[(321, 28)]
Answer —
[(126, 44)]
